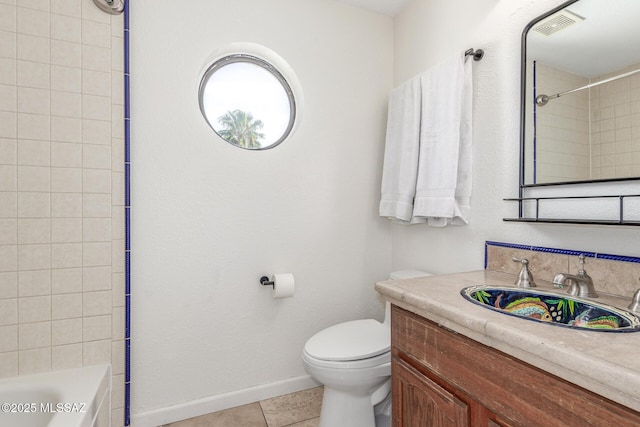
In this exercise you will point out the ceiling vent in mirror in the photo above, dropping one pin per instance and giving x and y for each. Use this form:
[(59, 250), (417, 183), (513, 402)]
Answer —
[(556, 22)]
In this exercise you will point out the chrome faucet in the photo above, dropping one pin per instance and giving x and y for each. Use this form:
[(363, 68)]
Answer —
[(580, 285)]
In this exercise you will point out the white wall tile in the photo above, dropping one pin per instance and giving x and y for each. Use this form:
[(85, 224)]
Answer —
[(67, 7), (34, 283), (34, 335), (33, 48), (66, 205), (96, 303), (8, 258), (66, 53), (96, 278), (33, 100), (96, 205), (8, 97), (96, 181), (8, 44), (66, 28), (96, 254), (66, 180), (96, 156), (34, 230), (66, 280), (8, 17), (66, 356), (8, 178), (66, 79), (8, 364), (96, 83), (8, 311), (96, 230), (34, 361), (66, 104), (66, 255), (34, 126), (66, 306), (33, 22), (33, 74), (97, 34), (9, 124), (8, 151), (66, 129), (8, 204), (34, 178), (93, 58), (66, 154), (34, 309), (8, 73), (95, 352), (34, 153), (35, 4), (66, 331), (66, 230), (8, 284), (96, 328), (8, 231), (8, 338), (96, 131), (34, 257)]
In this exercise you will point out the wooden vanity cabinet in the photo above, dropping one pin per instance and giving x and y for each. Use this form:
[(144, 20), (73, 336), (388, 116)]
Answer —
[(441, 378)]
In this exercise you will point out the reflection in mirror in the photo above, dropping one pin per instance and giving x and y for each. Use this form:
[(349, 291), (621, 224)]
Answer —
[(247, 102), (581, 64)]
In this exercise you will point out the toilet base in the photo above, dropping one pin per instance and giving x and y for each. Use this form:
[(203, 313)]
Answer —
[(341, 409)]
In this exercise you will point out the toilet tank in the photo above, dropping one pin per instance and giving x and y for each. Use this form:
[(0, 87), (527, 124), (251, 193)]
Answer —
[(399, 275), (407, 274)]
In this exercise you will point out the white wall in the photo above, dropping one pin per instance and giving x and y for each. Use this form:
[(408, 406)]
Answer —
[(426, 32), (208, 219)]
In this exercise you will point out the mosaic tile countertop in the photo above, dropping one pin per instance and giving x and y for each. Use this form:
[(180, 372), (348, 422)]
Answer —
[(606, 364)]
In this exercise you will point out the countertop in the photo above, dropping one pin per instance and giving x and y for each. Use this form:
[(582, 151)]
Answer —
[(605, 363)]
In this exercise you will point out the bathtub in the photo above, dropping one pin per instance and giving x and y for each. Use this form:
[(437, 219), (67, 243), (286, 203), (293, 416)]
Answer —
[(68, 398)]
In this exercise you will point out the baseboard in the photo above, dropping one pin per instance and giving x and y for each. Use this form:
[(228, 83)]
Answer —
[(220, 402)]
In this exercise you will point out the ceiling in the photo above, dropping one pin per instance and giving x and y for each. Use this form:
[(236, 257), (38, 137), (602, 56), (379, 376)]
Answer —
[(386, 7), (606, 40)]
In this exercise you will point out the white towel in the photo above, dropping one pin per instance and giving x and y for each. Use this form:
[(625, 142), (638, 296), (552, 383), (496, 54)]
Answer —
[(443, 188), (427, 165), (401, 152)]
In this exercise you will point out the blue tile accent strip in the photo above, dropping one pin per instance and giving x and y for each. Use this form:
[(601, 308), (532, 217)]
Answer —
[(127, 207), (571, 252)]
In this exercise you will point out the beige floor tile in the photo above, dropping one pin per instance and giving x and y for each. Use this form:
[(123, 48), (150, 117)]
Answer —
[(293, 408), (314, 422), (242, 416)]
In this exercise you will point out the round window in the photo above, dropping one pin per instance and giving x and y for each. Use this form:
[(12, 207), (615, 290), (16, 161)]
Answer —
[(247, 102)]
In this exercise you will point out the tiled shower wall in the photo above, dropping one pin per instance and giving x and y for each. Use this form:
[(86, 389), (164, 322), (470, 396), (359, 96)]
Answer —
[(590, 134), (61, 189)]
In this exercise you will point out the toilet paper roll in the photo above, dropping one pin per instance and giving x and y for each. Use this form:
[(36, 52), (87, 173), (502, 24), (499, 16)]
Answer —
[(283, 285)]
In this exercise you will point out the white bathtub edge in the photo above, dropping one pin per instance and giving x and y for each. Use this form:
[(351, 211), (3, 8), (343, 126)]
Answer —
[(220, 402)]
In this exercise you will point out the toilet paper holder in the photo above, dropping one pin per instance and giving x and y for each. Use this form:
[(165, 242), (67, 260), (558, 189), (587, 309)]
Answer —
[(264, 280)]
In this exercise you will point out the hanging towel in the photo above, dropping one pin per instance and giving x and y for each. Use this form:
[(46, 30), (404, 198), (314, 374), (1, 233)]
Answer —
[(401, 152), (443, 188), (438, 190)]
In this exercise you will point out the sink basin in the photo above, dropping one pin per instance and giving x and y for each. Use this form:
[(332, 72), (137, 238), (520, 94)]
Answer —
[(553, 308)]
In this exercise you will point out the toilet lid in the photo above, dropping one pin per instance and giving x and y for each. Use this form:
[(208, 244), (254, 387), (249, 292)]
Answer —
[(355, 340)]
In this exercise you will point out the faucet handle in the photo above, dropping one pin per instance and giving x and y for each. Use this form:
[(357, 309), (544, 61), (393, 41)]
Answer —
[(581, 261), (525, 278)]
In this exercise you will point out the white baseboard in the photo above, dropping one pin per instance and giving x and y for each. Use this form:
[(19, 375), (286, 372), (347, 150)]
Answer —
[(195, 408)]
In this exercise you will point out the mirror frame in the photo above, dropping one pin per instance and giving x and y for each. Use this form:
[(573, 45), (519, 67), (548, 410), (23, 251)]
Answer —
[(591, 191), (523, 89)]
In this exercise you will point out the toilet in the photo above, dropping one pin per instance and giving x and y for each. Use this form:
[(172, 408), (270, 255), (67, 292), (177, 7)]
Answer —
[(353, 361)]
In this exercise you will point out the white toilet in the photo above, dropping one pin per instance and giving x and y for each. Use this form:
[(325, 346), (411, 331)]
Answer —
[(353, 361)]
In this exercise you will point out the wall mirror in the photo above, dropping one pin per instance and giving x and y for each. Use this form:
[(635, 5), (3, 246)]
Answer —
[(580, 115), (581, 88)]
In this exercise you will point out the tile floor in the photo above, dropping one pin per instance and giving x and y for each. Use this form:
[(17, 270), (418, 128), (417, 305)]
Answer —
[(301, 409)]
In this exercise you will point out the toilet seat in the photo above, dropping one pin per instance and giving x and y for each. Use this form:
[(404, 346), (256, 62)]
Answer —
[(354, 341)]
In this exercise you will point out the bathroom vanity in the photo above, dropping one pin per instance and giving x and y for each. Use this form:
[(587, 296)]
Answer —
[(458, 364)]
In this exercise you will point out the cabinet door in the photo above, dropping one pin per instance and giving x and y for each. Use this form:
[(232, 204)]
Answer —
[(419, 402)]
